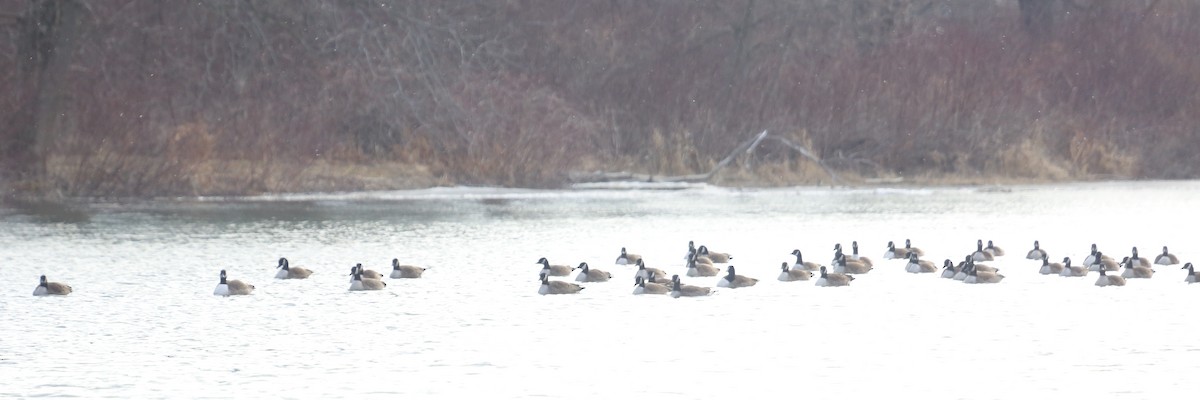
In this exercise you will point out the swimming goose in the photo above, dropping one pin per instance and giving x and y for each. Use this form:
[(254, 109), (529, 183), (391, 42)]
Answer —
[(909, 248), (856, 256), (842, 266), (1110, 280), (1105, 262), (557, 287), (714, 256), (359, 281), (917, 265), (680, 290), (405, 271), (642, 287), (969, 265), (833, 279), (655, 278), (645, 272), (894, 253), (627, 258), (733, 281), (691, 250), (1049, 268), (978, 276), (232, 287), (1037, 253), (791, 275), (587, 274), (1070, 270), (1191, 276), (1166, 258), (1093, 256), (948, 269), (698, 269), (980, 254), (61, 289), (801, 264), (289, 272), (366, 273), (1132, 270), (554, 270), (1139, 261), (993, 250)]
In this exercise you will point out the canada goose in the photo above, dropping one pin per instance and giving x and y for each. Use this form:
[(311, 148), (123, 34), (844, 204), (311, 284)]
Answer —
[(1037, 253), (894, 253), (1093, 256), (554, 270), (654, 278), (969, 265), (977, 276), (917, 265), (833, 279), (1139, 261), (1132, 270), (909, 248), (980, 254), (801, 264), (1191, 276), (627, 258), (856, 256), (61, 289), (366, 273), (842, 266), (714, 256), (697, 269), (994, 250), (1105, 262), (645, 272), (289, 272), (733, 281), (680, 290), (1166, 258), (1048, 267), (405, 271), (232, 288), (1070, 270), (642, 287), (790, 275), (557, 287), (358, 281), (948, 269), (1110, 280), (587, 274)]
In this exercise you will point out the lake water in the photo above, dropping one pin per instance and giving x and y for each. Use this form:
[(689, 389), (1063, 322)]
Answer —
[(143, 322)]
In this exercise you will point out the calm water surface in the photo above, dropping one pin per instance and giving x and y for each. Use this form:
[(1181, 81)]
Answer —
[(143, 322)]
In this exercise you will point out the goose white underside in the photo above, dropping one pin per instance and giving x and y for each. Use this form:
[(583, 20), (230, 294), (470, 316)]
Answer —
[(913, 268), (948, 274), (41, 291), (622, 261), (1035, 254), (970, 279), (1190, 279), (581, 277), (722, 282), (221, 290), (545, 289), (1089, 260), (693, 272), (1045, 270), (396, 274), (960, 276), (1128, 273), (1103, 281), (889, 255)]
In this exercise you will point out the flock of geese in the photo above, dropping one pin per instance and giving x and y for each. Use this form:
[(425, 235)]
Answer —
[(701, 262), (843, 268)]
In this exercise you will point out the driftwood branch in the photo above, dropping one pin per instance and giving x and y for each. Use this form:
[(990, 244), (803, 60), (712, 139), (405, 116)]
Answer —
[(746, 147)]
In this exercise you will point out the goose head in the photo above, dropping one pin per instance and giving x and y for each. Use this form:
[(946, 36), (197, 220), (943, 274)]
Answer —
[(785, 267), (584, 267), (222, 278), (283, 263)]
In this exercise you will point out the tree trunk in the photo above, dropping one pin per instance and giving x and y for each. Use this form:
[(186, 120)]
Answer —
[(51, 29)]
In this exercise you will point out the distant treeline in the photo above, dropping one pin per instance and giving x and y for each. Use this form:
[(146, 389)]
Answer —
[(174, 97)]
